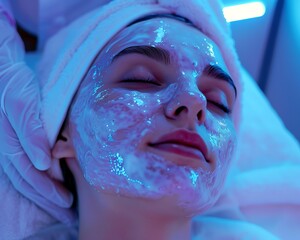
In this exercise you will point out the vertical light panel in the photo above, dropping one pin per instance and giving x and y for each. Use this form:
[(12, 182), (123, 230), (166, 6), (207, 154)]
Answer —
[(244, 11)]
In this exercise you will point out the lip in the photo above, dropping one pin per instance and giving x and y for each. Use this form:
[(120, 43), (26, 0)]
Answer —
[(184, 143)]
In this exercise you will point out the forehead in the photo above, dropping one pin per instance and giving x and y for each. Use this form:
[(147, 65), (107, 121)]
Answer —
[(183, 41)]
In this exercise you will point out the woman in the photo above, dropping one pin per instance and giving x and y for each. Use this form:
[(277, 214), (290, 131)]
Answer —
[(150, 133)]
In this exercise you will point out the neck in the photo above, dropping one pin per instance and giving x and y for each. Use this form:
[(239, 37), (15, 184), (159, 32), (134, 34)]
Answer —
[(115, 217), (109, 216)]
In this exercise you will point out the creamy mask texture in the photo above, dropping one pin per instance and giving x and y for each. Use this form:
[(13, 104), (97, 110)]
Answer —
[(128, 100)]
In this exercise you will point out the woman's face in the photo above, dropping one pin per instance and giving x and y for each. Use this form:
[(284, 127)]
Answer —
[(152, 118)]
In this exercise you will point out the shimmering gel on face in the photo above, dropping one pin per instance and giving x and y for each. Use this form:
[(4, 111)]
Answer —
[(160, 33), (112, 126)]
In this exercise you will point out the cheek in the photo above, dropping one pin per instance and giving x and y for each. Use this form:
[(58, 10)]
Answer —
[(222, 138), (101, 132), (112, 121), (222, 142), (123, 112), (122, 115)]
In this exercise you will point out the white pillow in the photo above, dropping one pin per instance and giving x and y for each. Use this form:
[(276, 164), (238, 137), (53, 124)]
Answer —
[(264, 140)]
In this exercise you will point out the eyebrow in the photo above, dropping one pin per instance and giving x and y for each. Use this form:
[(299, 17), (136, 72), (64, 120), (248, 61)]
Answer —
[(217, 72), (155, 53)]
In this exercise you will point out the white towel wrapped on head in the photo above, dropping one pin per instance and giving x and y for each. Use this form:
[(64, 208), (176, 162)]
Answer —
[(69, 54)]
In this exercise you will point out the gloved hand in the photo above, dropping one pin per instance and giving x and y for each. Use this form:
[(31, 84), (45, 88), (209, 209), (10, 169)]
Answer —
[(24, 148)]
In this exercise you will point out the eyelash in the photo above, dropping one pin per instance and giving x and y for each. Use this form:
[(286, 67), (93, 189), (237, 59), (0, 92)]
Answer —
[(145, 80), (221, 106)]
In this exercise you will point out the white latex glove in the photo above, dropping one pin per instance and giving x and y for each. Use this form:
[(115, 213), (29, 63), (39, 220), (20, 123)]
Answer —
[(24, 148)]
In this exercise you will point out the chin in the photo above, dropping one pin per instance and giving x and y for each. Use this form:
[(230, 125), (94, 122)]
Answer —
[(193, 204), (171, 200)]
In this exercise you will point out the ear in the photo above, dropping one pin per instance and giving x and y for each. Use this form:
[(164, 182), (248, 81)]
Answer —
[(63, 147)]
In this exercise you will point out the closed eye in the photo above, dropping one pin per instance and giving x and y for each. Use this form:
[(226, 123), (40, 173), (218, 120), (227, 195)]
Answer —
[(141, 80), (220, 106)]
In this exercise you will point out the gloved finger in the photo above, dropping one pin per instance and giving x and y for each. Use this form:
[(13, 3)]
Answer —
[(61, 214), (21, 106), (12, 153), (34, 141), (41, 182)]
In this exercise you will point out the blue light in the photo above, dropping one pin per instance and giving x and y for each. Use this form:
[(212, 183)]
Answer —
[(244, 11)]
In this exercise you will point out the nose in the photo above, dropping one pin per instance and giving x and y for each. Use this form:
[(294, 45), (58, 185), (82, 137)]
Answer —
[(187, 106)]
